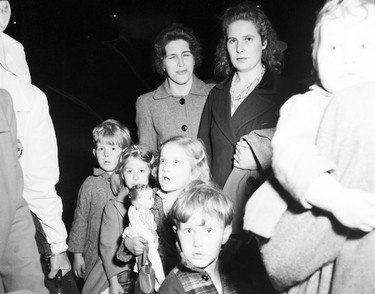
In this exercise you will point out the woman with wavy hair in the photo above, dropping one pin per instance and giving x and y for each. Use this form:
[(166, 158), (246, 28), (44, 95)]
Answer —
[(250, 59), (175, 107)]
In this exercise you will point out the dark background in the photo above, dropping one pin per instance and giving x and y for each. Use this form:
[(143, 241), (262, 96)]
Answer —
[(92, 58)]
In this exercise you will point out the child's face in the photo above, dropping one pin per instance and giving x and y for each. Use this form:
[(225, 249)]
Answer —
[(346, 53), (145, 199), (174, 170), (136, 172), (107, 156), (201, 244)]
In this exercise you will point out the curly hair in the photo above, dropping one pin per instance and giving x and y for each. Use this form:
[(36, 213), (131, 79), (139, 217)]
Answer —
[(143, 153), (272, 55), (173, 33)]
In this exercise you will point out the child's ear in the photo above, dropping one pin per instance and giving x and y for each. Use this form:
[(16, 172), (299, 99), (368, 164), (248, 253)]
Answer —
[(94, 152), (227, 232)]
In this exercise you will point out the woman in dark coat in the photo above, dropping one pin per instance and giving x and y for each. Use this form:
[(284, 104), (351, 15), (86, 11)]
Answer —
[(250, 57)]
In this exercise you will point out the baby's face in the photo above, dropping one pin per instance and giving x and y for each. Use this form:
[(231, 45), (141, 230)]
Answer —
[(346, 53), (145, 199)]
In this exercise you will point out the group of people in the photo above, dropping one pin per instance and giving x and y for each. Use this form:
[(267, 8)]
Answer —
[(254, 155)]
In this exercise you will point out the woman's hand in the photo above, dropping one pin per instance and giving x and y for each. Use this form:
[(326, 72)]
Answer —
[(78, 265), (114, 286), (243, 157), (135, 245)]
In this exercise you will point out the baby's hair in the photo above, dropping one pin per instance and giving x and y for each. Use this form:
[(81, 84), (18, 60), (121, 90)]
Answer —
[(111, 132), (143, 153), (199, 197), (195, 150), (135, 191), (335, 9)]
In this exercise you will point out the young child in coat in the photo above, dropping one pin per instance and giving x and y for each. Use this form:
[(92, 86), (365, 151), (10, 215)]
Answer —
[(182, 160), (137, 167), (310, 167), (142, 223), (201, 217), (110, 138)]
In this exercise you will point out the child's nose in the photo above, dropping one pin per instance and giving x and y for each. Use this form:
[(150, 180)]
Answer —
[(136, 176), (350, 55), (165, 166), (198, 239)]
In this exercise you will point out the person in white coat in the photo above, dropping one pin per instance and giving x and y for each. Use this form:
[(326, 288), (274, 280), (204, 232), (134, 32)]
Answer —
[(37, 146)]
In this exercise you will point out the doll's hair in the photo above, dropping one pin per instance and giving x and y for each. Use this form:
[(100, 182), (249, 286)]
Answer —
[(201, 198), (111, 132), (195, 150), (272, 55), (173, 33), (143, 153), (135, 191), (335, 9)]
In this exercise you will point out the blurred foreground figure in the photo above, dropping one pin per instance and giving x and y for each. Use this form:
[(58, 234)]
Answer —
[(37, 154), (19, 258)]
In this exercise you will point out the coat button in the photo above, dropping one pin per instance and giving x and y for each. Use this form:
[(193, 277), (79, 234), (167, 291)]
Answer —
[(250, 181), (204, 277), (182, 101), (184, 128)]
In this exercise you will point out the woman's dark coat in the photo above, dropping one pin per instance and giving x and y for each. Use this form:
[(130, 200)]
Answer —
[(220, 132)]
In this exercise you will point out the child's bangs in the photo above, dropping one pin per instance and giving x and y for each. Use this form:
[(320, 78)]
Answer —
[(112, 139)]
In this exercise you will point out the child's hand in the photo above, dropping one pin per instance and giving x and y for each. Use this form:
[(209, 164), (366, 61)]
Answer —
[(356, 210), (135, 245), (243, 157), (114, 286), (78, 265)]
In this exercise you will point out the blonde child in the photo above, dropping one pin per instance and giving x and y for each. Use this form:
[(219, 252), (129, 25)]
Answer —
[(201, 217), (137, 167), (109, 138), (142, 223), (343, 56), (181, 160)]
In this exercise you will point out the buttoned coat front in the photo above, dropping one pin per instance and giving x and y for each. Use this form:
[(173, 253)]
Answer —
[(220, 131), (161, 115)]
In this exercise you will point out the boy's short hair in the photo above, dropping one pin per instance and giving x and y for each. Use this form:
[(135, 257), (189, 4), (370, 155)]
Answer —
[(200, 197), (136, 190), (111, 132), (332, 9)]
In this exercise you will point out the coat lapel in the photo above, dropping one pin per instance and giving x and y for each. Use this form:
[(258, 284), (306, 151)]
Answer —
[(221, 111), (258, 102)]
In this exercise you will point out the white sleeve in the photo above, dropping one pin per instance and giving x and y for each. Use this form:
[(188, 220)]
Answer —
[(40, 167), (296, 160)]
